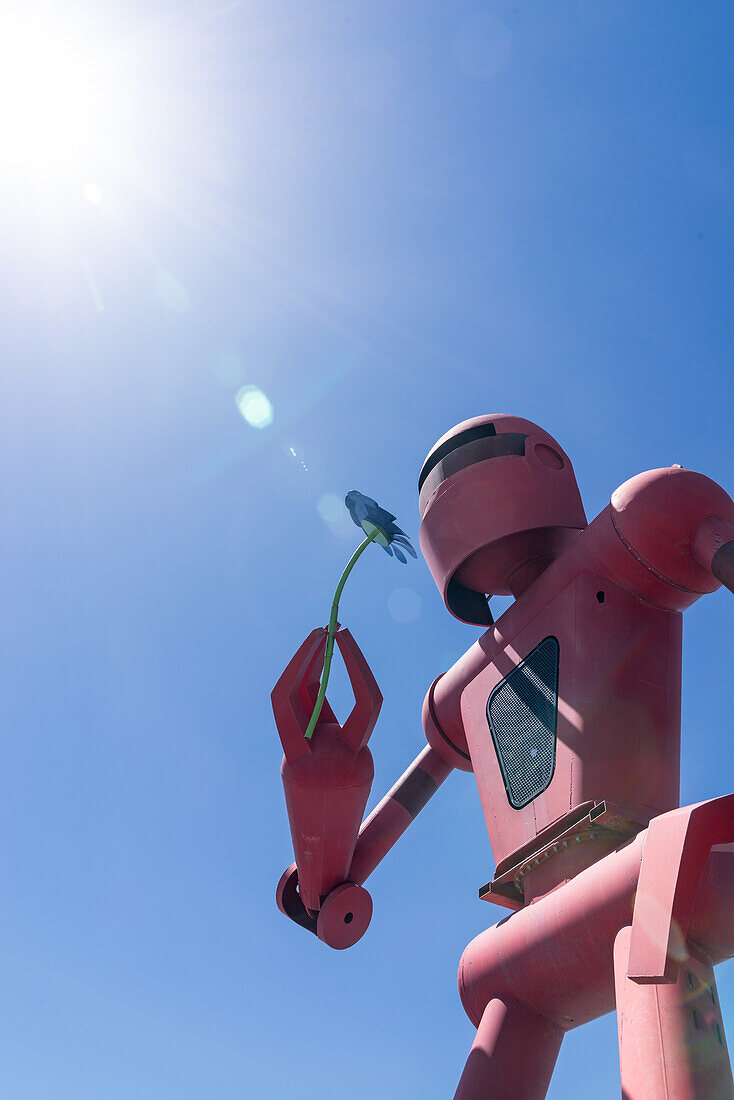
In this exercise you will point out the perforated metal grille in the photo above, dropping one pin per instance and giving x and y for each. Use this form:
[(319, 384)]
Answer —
[(522, 712)]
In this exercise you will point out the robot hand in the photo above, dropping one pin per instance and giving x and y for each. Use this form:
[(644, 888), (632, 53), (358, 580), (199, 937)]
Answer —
[(326, 781)]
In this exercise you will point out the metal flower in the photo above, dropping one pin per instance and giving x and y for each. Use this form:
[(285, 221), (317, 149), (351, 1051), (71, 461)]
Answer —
[(368, 515)]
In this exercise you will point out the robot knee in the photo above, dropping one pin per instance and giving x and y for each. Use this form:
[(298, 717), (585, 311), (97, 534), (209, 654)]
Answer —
[(480, 973)]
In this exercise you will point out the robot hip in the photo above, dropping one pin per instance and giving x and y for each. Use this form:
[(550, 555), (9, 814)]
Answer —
[(556, 955)]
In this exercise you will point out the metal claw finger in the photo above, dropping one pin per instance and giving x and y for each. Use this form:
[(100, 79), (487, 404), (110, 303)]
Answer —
[(359, 725), (291, 693)]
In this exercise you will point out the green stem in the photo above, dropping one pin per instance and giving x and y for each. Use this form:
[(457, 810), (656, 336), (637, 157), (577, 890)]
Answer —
[(332, 630)]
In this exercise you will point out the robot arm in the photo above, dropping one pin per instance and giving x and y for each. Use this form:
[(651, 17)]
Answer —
[(713, 548), (327, 781), (671, 538), (392, 816)]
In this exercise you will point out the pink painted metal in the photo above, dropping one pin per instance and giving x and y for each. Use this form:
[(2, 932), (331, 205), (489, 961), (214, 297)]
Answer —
[(326, 780), (609, 884), (676, 850), (671, 1037), (391, 817), (509, 1036)]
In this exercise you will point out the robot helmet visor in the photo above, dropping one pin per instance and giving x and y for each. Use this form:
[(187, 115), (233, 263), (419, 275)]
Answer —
[(475, 444)]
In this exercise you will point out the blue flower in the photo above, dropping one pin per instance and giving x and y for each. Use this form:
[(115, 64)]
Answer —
[(368, 515)]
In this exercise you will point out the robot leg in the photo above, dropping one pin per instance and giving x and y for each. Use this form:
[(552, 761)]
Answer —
[(512, 1056), (671, 1036)]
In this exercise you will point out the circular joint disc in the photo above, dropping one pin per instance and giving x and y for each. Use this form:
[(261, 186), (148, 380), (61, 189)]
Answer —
[(345, 916)]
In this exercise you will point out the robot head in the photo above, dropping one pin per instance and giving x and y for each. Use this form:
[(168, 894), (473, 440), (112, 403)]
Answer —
[(498, 503)]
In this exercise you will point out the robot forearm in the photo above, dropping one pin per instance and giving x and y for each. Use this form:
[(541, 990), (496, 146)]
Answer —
[(327, 781), (345, 912)]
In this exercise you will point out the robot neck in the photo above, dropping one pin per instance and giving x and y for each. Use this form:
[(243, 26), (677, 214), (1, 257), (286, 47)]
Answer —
[(524, 575)]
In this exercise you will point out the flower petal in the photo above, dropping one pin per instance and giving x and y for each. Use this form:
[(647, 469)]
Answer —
[(367, 514), (406, 546)]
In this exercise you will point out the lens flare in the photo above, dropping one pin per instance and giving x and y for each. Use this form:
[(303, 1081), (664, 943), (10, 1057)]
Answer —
[(404, 605), (171, 292), (254, 406), (330, 508)]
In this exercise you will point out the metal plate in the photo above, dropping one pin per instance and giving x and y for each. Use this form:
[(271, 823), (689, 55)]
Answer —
[(522, 712)]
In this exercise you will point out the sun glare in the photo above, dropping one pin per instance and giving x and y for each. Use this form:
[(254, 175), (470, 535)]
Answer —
[(53, 99)]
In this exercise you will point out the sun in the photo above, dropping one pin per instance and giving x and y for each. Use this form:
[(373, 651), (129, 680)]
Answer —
[(53, 97)]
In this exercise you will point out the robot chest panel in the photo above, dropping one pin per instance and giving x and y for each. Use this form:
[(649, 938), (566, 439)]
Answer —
[(582, 704)]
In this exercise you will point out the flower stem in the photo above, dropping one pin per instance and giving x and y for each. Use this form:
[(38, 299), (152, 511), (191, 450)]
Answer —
[(332, 630)]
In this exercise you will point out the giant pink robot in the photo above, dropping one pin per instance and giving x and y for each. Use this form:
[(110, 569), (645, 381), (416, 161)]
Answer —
[(567, 711)]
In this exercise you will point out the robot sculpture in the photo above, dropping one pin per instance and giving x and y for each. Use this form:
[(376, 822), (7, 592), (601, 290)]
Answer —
[(567, 711)]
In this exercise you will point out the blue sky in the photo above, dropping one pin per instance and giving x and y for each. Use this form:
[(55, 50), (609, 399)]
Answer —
[(386, 218)]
